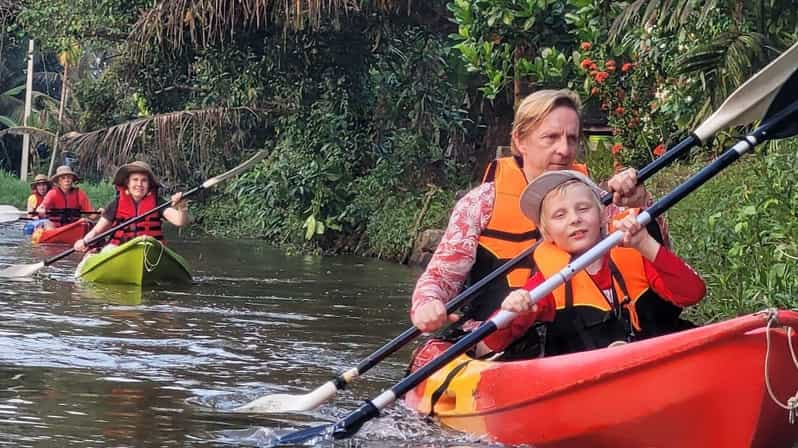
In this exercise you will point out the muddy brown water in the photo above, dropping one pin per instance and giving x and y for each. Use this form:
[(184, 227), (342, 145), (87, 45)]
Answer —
[(111, 366)]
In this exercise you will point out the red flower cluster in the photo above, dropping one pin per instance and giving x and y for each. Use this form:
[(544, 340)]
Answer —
[(626, 67), (610, 65), (586, 46), (659, 150), (601, 77), (620, 110), (616, 148)]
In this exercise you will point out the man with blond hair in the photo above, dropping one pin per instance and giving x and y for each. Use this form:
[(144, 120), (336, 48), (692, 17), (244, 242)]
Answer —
[(487, 228)]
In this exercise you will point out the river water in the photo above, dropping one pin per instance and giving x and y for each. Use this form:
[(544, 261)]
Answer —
[(111, 366)]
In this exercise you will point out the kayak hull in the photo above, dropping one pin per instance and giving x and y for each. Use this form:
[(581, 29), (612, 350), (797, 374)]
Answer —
[(140, 261), (698, 388), (67, 234)]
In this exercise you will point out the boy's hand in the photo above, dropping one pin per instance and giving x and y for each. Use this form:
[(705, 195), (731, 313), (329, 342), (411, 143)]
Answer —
[(636, 236), (518, 302)]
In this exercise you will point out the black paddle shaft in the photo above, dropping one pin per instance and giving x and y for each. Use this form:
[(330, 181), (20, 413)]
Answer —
[(459, 300), (113, 229)]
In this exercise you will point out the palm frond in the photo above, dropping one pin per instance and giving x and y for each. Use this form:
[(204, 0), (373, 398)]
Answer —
[(176, 24), (726, 62), (176, 142)]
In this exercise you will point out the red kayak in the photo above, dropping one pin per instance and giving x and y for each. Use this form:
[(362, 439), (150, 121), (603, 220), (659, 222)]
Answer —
[(67, 234), (704, 387)]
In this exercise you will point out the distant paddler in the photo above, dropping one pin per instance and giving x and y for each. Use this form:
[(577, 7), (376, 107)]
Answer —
[(64, 203), (136, 193), (39, 188)]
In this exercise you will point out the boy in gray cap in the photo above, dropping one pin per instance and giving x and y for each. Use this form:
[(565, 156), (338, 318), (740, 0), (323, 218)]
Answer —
[(631, 293)]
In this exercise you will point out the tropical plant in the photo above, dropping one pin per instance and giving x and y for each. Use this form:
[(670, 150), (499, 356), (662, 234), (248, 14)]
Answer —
[(516, 42), (719, 43)]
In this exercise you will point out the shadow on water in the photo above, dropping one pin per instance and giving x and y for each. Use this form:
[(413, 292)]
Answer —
[(92, 365)]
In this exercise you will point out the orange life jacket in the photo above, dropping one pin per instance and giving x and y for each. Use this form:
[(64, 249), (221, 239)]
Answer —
[(508, 233), (65, 207), (587, 318), (39, 198), (126, 208)]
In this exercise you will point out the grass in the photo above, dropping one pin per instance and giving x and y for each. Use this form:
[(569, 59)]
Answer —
[(15, 192)]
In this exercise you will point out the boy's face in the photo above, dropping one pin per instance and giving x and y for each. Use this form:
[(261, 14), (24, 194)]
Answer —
[(571, 218), (138, 184)]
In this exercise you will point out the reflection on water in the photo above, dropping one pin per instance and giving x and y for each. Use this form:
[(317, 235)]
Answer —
[(106, 365)]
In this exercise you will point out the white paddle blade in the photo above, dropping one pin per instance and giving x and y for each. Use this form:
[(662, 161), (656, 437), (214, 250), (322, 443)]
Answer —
[(21, 270), (752, 99), (9, 216), (278, 403), (235, 171), (9, 209)]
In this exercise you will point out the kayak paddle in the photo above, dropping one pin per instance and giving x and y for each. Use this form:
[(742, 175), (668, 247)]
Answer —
[(29, 269), (782, 124), (745, 105), (10, 214)]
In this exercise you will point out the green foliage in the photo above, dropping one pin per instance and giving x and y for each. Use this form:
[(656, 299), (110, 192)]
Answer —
[(505, 40), (102, 103), (350, 165), (15, 192), (740, 232), (58, 25)]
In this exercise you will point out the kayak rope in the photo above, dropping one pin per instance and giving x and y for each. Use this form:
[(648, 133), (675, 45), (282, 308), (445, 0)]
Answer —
[(150, 266), (792, 403)]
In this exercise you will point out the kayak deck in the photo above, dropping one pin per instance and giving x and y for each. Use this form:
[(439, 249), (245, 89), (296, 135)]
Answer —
[(67, 234), (140, 261), (697, 388)]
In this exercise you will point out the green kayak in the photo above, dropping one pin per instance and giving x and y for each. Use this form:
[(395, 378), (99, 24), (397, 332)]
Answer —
[(140, 261)]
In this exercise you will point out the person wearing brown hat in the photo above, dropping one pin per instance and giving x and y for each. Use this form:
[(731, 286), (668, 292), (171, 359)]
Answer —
[(39, 188), (64, 203), (137, 192), (632, 292)]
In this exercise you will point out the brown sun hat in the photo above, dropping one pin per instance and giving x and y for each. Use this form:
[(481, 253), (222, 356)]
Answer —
[(534, 193), (40, 179), (64, 170), (120, 178)]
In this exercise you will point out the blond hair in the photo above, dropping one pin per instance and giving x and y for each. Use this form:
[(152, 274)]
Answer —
[(537, 106), (562, 189)]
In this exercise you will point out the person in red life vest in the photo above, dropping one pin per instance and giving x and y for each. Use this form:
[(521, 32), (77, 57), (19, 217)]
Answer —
[(39, 188), (64, 203), (634, 292), (486, 227), (137, 192)]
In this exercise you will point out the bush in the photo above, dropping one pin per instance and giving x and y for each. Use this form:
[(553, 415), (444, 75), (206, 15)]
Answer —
[(740, 232)]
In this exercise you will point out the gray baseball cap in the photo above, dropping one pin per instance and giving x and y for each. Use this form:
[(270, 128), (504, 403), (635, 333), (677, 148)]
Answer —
[(534, 193)]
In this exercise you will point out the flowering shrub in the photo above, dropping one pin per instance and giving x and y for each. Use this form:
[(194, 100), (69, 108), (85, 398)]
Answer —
[(629, 93)]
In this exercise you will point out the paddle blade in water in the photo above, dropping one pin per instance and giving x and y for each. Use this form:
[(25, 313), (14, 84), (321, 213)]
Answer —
[(278, 403), (21, 270)]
